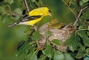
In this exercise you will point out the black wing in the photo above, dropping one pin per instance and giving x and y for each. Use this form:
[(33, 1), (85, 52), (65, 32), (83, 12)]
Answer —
[(25, 18), (28, 18)]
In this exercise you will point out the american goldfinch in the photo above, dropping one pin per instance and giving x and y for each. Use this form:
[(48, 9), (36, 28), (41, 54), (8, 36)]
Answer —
[(33, 16)]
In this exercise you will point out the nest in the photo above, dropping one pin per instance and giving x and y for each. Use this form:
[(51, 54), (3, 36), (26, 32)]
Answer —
[(61, 34)]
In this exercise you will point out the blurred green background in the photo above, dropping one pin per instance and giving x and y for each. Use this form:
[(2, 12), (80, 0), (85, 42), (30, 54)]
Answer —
[(11, 36)]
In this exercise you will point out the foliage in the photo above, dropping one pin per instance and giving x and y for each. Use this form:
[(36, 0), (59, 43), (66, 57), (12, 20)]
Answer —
[(15, 42)]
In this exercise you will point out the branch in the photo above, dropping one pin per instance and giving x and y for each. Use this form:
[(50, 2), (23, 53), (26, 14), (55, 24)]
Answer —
[(69, 8), (15, 14), (12, 13), (26, 4), (79, 15)]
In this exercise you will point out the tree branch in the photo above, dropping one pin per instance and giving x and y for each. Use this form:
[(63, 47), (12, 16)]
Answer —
[(15, 14), (27, 6), (69, 8), (81, 10)]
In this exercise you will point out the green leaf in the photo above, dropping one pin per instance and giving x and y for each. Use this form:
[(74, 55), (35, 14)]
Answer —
[(33, 0), (0, 19), (81, 27), (56, 41), (17, 4), (68, 56), (48, 51), (85, 17), (48, 33), (58, 56), (32, 5), (88, 33), (71, 42), (84, 36), (42, 57), (18, 11), (5, 18), (25, 47), (84, 1), (2, 9), (81, 52), (36, 35), (88, 28), (87, 51), (32, 56), (9, 1), (81, 3)]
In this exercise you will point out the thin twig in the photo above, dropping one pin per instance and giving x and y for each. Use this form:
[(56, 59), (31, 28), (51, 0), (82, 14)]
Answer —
[(81, 29), (69, 8), (15, 14), (79, 15), (26, 4), (12, 13)]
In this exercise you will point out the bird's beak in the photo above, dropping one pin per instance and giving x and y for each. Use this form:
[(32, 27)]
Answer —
[(49, 14)]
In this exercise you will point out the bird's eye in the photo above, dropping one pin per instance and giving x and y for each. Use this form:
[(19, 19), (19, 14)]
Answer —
[(49, 11)]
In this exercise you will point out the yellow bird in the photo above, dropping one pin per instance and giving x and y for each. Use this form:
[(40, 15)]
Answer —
[(35, 16)]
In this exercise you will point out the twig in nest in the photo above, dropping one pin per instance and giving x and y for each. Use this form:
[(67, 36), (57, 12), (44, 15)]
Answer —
[(26, 4), (79, 15)]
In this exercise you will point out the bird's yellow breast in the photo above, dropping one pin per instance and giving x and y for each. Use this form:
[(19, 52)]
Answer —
[(33, 21)]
